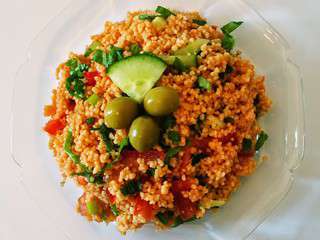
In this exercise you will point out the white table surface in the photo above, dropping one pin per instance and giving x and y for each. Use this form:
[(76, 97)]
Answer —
[(297, 217)]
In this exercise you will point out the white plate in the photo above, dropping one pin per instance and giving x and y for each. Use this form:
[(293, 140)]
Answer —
[(258, 194)]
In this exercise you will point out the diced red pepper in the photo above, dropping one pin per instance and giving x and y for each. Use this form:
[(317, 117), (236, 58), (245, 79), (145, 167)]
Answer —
[(54, 126), (201, 143), (90, 77), (144, 208), (49, 110)]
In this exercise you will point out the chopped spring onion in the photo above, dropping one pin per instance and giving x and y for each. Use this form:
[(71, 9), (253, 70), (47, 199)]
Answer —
[(114, 210), (262, 138), (199, 22), (93, 46), (231, 26), (93, 99), (164, 12), (204, 83), (228, 40), (135, 49)]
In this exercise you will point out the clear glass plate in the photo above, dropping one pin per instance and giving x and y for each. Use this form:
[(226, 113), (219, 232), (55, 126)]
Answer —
[(258, 194)]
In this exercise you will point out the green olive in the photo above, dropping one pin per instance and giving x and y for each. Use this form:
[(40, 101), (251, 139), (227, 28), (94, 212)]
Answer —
[(144, 133), (161, 101), (120, 112)]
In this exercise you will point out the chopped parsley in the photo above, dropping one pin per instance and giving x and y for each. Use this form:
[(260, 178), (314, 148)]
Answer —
[(150, 172), (131, 187), (246, 145), (168, 122), (74, 83), (90, 121), (164, 217), (93, 46), (104, 132), (171, 153), (135, 49), (262, 138), (199, 22), (107, 59), (174, 136), (228, 120), (196, 158)]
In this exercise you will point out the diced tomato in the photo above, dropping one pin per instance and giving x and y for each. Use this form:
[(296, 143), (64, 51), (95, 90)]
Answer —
[(152, 155), (71, 104), (82, 181), (201, 143), (111, 197), (90, 77), (67, 71), (249, 154), (185, 207), (186, 159), (49, 110), (229, 138), (82, 205), (143, 208), (54, 126)]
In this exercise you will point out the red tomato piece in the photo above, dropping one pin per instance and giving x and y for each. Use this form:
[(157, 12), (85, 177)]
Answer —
[(71, 104), (143, 208), (185, 207), (111, 197), (54, 126), (201, 143), (90, 77)]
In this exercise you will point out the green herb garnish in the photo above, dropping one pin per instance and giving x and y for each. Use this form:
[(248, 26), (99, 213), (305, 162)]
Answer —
[(171, 153), (164, 12), (107, 59), (148, 17), (178, 65), (74, 83), (114, 210), (93, 99), (93, 46), (150, 172), (199, 22), (262, 138), (174, 136), (67, 148), (231, 26), (168, 122), (135, 49), (196, 158), (104, 132), (177, 221), (204, 83), (228, 120), (246, 145), (90, 120), (131, 187), (228, 40), (162, 218)]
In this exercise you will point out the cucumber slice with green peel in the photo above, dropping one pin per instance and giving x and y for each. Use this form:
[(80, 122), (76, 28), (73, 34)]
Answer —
[(136, 75), (168, 59), (187, 60), (192, 48), (159, 23)]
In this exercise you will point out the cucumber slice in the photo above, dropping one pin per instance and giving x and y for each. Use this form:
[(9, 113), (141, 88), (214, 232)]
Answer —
[(136, 75), (187, 60), (159, 23), (192, 48), (168, 59)]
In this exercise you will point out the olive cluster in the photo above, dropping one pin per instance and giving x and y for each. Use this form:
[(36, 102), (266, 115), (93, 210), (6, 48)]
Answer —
[(144, 131)]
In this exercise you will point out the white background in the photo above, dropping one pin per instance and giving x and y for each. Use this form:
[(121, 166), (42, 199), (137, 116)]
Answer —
[(297, 217)]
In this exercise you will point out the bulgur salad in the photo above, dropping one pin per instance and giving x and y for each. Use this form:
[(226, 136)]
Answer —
[(157, 121)]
